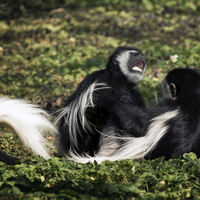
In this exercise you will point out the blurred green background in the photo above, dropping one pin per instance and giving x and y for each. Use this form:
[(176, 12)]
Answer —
[(48, 47)]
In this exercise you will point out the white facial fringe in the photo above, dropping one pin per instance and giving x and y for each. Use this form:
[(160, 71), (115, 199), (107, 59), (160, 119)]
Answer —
[(123, 59), (133, 148), (75, 113), (29, 122)]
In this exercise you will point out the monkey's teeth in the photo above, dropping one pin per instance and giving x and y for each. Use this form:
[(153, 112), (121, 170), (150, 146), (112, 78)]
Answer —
[(136, 68)]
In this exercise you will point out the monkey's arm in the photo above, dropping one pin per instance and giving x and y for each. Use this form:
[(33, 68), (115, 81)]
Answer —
[(126, 91), (127, 117)]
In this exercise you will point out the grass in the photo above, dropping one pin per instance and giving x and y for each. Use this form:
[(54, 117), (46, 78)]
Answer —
[(48, 47), (55, 179)]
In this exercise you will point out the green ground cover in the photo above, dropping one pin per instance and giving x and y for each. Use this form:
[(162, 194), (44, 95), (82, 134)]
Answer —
[(48, 47)]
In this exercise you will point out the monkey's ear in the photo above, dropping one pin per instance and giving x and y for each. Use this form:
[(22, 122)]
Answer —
[(114, 60), (173, 90)]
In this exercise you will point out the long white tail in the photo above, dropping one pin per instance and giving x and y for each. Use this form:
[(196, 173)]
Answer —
[(133, 148), (76, 117), (29, 122)]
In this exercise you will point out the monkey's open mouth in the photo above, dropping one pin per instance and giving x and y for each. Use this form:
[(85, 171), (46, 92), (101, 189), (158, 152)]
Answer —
[(138, 66)]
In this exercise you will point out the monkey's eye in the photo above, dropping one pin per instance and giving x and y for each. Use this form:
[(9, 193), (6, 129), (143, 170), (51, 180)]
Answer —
[(136, 53), (173, 89), (114, 60), (138, 66)]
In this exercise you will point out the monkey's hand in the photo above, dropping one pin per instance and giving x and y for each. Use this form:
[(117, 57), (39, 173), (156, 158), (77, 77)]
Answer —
[(126, 98)]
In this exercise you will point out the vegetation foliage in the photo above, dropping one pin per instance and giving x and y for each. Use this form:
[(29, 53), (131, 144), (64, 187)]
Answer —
[(48, 47)]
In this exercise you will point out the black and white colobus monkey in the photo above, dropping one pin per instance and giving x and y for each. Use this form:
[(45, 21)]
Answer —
[(169, 129), (29, 122), (83, 117)]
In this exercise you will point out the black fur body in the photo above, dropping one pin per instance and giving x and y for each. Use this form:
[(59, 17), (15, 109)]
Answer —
[(84, 136), (170, 128)]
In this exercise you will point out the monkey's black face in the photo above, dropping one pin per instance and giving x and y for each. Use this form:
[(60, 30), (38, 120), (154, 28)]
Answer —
[(131, 63), (136, 63), (180, 84)]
